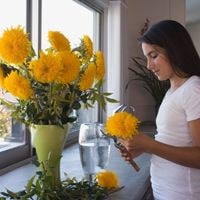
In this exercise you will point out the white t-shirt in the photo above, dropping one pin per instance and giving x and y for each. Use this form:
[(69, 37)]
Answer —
[(171, 181)]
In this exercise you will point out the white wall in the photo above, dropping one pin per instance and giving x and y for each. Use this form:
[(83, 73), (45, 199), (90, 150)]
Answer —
[(138, 11), (194, 30), (117, 54)]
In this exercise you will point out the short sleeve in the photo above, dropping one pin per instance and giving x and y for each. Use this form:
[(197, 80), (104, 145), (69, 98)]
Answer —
[(191, 101)]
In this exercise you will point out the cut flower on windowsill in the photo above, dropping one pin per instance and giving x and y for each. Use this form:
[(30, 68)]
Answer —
[(107, 179), (122, 125)]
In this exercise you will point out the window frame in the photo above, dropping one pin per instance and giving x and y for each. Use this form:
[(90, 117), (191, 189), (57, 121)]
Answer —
[(21, 155)]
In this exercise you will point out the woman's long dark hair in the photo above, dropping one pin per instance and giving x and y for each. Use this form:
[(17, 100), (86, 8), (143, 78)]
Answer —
[(174, 38)]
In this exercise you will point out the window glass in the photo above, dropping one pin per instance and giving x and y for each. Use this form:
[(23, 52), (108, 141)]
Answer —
[(13, 13), (73, 20), (69, 17)]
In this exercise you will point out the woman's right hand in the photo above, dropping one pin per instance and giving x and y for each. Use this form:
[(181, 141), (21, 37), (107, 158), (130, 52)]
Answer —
[(129, 155)]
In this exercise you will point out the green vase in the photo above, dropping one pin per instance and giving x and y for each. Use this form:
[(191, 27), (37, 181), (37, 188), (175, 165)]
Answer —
[(49, 141)]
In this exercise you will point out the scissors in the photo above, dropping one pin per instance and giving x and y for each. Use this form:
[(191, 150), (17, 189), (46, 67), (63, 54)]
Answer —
[(122, 148)]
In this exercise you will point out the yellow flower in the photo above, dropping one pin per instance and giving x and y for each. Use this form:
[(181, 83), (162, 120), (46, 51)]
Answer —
[(107, 179), (15, 46), (51, 84), (58, 41), (87, 78), (100, 71), (1, 76), (123, 125), (88, 46), (18, 86), (47, 68), (71, 67)]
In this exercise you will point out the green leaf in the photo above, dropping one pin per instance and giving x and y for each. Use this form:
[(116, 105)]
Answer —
[(29, 184), (12, 194), (76, 105), (112, 100), (107, 93)]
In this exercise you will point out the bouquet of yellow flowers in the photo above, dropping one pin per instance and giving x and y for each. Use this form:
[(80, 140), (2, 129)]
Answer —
[(48, 87)]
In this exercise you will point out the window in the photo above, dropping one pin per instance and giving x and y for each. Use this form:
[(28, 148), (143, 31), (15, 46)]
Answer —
[(13, 143), (72, 18)]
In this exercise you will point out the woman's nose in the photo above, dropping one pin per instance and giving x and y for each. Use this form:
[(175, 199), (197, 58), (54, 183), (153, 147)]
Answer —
[(149, 64)]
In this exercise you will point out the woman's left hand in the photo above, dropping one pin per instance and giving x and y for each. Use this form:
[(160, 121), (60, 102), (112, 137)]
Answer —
[(140, 143)]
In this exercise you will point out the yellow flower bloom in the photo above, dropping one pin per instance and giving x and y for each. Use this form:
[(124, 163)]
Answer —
[(15, 46), (87, 78), (71, 67), (107, 179), (18, 86), (1, 76), (88, 46), (51, 84), (47, 68), (123, 125), (58, 41), (100, 71)]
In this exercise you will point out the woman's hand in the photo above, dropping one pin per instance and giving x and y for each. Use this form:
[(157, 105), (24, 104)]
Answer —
[(129, 155), (188, 156), (137, 145), (129, 150)]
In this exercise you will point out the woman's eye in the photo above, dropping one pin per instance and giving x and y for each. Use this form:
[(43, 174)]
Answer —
[(154, 55)]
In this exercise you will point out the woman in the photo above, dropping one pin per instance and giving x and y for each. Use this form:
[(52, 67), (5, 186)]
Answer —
[(175, 163)]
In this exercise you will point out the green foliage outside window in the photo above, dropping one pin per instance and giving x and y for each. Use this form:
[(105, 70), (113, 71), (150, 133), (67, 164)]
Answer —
[(4, 122)]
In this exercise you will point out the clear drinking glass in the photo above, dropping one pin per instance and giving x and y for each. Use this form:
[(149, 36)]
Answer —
[(94, 149)]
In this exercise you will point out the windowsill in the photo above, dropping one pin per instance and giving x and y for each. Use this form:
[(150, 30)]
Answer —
[(136, 183), (17, 179), (22, 159), (4, 146)]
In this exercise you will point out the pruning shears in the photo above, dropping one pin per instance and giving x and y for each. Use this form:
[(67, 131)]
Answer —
[(122, 148), (117, 144)]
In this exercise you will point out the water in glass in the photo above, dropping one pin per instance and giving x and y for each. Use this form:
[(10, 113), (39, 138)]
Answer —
[(94, 148)]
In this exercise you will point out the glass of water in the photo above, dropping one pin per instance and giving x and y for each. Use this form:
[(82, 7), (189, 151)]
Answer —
[(94, 149)]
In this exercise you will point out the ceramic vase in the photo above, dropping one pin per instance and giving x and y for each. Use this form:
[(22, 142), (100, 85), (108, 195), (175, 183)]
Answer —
[(49, 141)]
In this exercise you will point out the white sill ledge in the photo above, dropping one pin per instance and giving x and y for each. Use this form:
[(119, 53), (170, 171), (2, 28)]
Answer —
[(9, 145), (136, 183)]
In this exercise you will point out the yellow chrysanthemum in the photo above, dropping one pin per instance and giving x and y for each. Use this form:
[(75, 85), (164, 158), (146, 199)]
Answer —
[(47, 68), (15, 46), (58, 41), (87, 78), (123, 125), (1, 77), (71, 67), (88, 46), (100, 66), (18, 86), (107, 179)]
